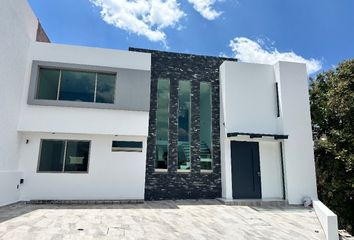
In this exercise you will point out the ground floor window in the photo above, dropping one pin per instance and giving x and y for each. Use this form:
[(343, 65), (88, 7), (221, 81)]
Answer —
[(64, 156), (127, 146), (184, 125)]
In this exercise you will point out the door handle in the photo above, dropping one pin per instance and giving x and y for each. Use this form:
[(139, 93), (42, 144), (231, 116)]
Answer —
[(259, 174)]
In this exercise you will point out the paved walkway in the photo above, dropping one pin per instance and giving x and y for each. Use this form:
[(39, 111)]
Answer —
[(205, 219)]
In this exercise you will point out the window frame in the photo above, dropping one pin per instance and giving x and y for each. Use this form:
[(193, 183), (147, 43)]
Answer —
[(190, 126), (64, 155), (34, 84), (277, 99), (156, 169), (128, 150), (74, 70), (206, 171)]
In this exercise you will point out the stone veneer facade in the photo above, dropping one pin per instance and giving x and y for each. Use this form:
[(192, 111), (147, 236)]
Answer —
[(194, 184)]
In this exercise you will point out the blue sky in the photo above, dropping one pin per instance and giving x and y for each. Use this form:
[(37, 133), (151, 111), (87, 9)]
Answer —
[(317, 32)]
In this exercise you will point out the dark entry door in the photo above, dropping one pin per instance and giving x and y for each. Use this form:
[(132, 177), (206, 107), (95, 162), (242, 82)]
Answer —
[(246, 180)]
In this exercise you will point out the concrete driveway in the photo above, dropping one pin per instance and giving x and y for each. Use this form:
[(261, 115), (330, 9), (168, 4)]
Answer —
[(203, 219)]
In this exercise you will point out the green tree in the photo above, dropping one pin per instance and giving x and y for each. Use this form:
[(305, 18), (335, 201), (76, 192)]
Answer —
[(332, 110)]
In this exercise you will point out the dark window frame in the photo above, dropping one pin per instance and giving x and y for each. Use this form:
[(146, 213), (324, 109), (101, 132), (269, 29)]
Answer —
[(128, 149), (277, 98), (202, 170), (159, 80), (64, 156)]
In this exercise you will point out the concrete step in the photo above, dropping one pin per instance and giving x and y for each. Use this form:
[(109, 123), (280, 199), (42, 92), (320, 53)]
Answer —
[(254, 202)]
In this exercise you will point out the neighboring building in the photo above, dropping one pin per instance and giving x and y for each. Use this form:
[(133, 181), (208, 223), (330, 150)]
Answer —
[(79, 123)]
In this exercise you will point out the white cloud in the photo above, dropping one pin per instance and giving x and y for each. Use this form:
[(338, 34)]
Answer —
[(205, 8), (247, 50), (142, 17)]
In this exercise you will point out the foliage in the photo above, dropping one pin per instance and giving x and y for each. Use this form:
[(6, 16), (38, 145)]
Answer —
[(332, 110)]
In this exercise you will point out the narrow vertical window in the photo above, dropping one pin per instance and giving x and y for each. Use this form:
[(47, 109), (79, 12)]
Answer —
[(277, 96), (205, 127), (162, 116), (184, 125)]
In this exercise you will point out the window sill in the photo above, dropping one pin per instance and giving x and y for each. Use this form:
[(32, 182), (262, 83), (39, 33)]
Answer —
[(183, 171), (65, 103), (161, 171), (206, 171)]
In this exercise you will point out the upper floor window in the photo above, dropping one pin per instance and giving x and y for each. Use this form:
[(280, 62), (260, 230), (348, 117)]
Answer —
[(73, 85)]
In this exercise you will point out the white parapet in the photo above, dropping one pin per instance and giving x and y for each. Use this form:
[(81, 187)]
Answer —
[(327, 219)]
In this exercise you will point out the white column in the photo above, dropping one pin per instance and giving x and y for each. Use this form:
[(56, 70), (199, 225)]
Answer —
[(298, 152)]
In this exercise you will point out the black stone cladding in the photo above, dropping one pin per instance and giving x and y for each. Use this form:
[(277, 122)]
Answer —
[(194, 184)]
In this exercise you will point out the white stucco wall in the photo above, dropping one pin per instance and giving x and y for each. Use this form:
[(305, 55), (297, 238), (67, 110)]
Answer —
[(18, 26), (83, 121), (248, 98), (35, 118), (296, 121), (10, 187), (271, 172), (112, 175), (328, 220), (225, 149), (52, 52)]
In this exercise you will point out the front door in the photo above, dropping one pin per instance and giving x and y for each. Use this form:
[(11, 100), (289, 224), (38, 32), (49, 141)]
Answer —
[(246, 180)]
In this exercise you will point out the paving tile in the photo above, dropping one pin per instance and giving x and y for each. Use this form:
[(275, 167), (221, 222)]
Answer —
[(189, 219)]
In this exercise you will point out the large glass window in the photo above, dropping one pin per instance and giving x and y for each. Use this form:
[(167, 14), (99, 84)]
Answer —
[(105, 88), (68, 85), (205, 126), (76, 156), (184, 125), (64, 156), (51, 156), (48, 84), (162, 117), (77, 86)]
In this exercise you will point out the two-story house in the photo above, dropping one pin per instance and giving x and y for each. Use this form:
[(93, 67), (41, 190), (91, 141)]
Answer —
[(80, 123)]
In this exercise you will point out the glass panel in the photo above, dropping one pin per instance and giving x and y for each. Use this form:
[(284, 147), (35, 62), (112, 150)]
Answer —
[(105, 88), (205, 126), (162, 116), (48, 84), (77, 154), (77, 86), (184, 122), (127, 146), (51, 156)]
